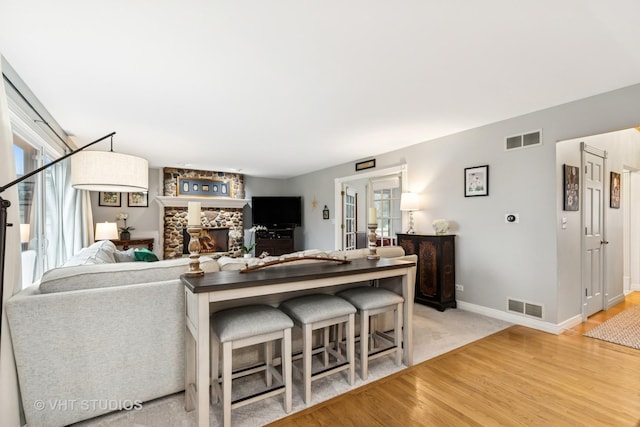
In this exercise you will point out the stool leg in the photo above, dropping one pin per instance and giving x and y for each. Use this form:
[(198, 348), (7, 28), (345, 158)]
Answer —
[(351, 353), (307, 337), (286, 369), (373, 327), (325, 340), (364, 340), (398, 334), (268, 363), (226, 383)]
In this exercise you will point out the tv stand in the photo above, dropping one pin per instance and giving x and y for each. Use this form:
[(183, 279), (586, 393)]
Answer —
[(277, 241)]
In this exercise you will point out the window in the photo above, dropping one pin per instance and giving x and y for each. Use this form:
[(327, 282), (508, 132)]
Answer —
[(386, 200), (34, 195)]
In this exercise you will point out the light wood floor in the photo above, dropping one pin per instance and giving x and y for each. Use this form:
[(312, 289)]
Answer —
[(518, 376)]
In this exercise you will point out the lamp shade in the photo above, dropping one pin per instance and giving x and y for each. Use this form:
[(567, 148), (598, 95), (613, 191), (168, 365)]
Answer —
[(410, 202), (106, 231), (25, 232), (109, 171)]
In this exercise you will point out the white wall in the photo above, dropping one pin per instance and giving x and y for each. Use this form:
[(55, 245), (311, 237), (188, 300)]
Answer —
[(144, 220), (494, 260)]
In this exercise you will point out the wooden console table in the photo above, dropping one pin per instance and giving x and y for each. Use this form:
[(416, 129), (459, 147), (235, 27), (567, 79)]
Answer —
[(126, 244), (224, 289)]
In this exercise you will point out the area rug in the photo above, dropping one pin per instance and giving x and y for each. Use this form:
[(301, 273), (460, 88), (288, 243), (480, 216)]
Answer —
[(434, 333), (623, 329)]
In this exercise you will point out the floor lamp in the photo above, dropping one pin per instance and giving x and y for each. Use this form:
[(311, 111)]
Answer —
[(95, 170)]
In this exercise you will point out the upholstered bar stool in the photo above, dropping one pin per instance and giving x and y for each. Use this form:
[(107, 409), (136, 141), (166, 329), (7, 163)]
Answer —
[(320, 311), (241, 327), (371, 301)]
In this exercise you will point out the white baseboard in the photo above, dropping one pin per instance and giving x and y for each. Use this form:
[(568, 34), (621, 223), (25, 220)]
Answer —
[(521, 320), (615, 300), (634, 287)]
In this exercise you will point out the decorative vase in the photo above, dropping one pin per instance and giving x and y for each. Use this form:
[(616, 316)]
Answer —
[(247, 255), (125, 235), (441, 226)]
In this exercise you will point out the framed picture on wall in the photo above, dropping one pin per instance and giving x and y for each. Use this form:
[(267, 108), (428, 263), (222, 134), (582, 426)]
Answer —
[(614, 185), (109, 198), (138, 200), (571, 185), (476, 181)]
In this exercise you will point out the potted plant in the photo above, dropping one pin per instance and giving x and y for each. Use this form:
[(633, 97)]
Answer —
[(125, 232), (247, 250)]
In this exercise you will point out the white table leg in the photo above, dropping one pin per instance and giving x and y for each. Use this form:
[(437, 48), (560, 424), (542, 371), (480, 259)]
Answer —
[(408, 283), (202, 360)]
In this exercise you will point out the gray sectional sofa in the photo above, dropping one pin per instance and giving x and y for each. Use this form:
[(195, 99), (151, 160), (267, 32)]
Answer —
[(99, 336)]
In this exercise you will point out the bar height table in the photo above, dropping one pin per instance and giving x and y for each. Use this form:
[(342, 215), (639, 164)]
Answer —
[(228, 286)]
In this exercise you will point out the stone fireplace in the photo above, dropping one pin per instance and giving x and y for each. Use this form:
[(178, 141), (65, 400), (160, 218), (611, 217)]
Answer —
[(221, 216)]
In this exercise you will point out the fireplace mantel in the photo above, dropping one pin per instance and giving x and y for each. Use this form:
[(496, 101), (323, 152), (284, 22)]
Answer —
[(206, 202)]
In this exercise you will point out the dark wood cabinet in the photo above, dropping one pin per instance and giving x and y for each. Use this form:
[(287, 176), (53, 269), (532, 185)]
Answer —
[(436, 270), (275, 242)]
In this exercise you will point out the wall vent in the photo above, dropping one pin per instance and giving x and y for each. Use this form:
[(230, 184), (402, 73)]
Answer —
[(526, 308), (529, 139)]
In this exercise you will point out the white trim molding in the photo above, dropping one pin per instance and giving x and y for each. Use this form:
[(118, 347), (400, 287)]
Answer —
[(206, 202), (540, 325)]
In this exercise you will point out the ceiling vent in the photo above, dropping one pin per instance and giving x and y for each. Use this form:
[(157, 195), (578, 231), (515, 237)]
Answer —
[(526, 308), (530, 139)]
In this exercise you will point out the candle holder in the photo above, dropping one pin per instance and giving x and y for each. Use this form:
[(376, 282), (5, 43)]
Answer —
[(194, 252), (373, 254)]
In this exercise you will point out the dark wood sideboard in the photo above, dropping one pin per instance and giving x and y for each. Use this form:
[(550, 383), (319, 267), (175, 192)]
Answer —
[(126, 244), (275, 241), (436, 269)]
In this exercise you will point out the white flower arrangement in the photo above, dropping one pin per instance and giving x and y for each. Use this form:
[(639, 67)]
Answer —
[(441, 226), (253, 229), (123, 217)]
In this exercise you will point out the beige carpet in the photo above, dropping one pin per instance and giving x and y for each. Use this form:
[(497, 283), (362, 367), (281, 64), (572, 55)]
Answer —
[(623, 329)]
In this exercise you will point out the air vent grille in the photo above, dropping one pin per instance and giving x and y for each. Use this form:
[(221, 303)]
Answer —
[(517, 306), (533, 310), (526, 308), (529, 139)]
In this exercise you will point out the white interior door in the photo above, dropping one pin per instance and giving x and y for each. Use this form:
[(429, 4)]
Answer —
[(631, 230), (594, 236)]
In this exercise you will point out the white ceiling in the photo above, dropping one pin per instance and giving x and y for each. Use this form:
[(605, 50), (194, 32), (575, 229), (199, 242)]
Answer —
[(284, 87)]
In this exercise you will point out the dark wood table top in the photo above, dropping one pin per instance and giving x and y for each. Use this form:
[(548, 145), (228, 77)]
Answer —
[(226, 280)]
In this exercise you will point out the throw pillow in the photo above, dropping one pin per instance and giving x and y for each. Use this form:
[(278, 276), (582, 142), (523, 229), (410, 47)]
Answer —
[(101, 252), (125, 256), (145, 254)]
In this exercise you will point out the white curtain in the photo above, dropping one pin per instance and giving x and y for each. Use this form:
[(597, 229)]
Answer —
[(69, 223), (9, 394)]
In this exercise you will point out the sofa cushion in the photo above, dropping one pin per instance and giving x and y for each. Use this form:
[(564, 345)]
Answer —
[(101, 252), (118, 274)]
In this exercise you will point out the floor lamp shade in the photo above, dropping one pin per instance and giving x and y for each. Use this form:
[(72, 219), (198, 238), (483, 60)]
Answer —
[(106, 231), (109, 171)]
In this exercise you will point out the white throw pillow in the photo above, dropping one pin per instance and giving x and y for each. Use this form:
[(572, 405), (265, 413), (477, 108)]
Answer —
[(101, 252)]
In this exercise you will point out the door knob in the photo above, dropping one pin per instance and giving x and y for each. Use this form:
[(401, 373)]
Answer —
[(604, 242)]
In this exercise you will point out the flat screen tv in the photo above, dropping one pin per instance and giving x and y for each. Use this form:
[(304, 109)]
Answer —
[(277, 211)]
